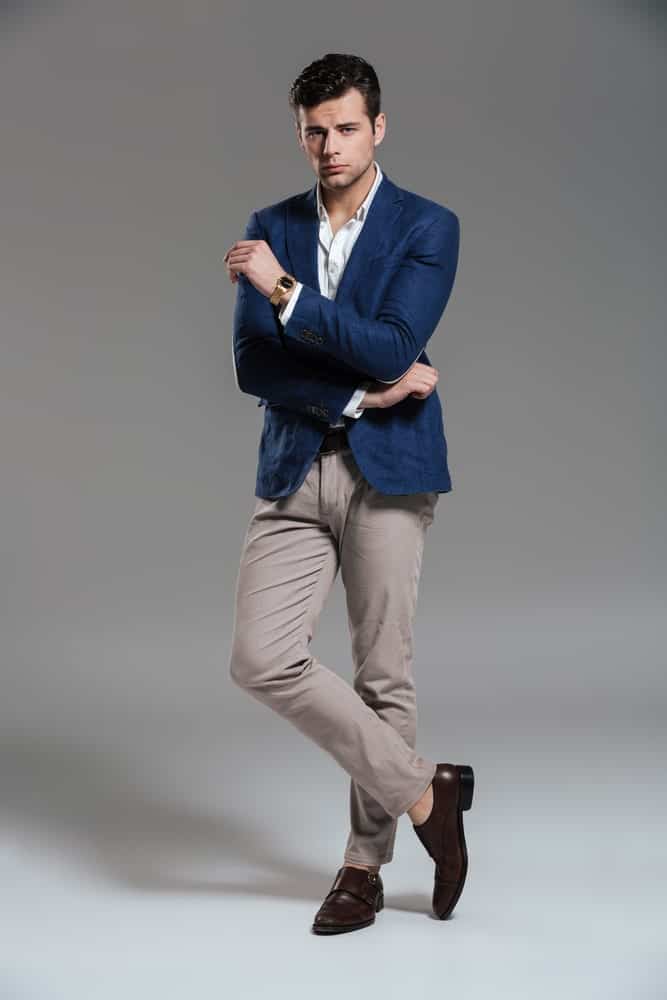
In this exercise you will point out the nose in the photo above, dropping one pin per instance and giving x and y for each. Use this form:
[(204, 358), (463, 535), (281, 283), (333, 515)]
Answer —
[(330, 147)]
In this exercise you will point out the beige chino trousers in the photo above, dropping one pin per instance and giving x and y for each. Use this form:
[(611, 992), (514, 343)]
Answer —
[(293, 548)]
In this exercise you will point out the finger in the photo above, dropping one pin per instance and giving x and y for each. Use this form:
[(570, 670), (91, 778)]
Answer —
[(239, 252), (237, 265), (238, 257), (240, 245), (423, 383)]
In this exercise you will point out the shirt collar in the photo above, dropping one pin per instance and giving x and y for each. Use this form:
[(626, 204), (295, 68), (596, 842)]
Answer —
[(365, 205)]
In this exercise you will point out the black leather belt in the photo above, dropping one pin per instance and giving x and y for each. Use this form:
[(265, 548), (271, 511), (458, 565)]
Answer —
[(334, 439)]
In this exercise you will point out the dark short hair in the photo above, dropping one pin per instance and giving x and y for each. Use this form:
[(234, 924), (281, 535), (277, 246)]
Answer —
[(332, 76)]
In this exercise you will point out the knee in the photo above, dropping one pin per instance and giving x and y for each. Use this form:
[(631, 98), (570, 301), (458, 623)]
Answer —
[(253, 665), (245, 663)]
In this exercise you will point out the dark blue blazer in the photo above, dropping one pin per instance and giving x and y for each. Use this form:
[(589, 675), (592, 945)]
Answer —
[(392, 294)]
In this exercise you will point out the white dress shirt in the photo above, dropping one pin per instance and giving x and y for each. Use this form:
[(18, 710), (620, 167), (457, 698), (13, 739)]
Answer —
[(332, 256)]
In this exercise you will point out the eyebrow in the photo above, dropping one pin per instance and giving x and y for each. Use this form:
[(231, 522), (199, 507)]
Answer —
[(310, 128)]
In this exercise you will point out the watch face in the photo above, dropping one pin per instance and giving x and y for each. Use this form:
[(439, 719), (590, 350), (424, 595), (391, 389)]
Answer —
[(286, 282)]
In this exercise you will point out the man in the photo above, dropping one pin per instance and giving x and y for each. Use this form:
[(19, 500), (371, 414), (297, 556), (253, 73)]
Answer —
[(352, 460)]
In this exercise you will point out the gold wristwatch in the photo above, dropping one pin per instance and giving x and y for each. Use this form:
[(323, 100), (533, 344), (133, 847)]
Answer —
[(283, 284)]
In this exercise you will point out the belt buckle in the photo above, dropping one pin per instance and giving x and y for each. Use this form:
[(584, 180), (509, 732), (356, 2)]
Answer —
[(336, 440)]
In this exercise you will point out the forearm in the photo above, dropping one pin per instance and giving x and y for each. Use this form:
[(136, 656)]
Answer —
[(264, 368)]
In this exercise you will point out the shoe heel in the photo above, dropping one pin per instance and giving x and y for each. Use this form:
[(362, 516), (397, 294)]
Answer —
[(466, 785), (380, 902)]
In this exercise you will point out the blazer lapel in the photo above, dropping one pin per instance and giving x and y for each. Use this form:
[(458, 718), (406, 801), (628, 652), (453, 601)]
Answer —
[(302, 228), (375, 239)]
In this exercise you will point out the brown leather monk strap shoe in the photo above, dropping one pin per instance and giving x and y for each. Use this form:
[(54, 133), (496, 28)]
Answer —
[(351, 903), (442, 834)]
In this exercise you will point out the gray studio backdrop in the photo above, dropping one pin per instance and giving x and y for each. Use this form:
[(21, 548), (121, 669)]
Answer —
[(149, 806)]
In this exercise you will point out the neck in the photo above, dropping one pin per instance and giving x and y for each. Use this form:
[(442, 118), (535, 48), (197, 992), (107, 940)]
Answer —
[(347, 201)]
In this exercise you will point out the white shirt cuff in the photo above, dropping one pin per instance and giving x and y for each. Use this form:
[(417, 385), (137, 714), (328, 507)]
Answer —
[(285, 311), (352, 408)]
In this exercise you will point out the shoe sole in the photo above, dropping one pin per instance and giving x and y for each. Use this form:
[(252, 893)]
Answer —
[(341, 929), (466, 788)]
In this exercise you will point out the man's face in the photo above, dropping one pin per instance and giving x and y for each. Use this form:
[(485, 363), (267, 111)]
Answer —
[(338, 132)]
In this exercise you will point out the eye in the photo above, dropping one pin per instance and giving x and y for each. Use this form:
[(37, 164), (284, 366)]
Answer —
[(345, 128)]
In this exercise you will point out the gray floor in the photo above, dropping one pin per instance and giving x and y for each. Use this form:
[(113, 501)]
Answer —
[(177, 840)]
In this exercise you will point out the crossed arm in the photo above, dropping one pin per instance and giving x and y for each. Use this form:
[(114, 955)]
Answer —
[(383, 348)]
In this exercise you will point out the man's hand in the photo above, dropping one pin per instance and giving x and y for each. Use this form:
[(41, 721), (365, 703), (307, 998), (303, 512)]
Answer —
[(420, 381), (256, 260)]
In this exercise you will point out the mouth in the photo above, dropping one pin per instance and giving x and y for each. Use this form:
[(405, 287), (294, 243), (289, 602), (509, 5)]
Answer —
[(334, 169)]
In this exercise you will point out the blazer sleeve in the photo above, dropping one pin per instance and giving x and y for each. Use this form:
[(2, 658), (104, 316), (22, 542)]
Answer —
[(264, 367), (387, 346)]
